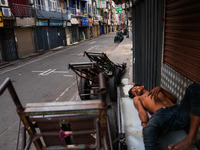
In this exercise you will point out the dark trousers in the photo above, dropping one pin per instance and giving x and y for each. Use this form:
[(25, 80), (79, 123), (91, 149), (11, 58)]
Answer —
[(172, 118)]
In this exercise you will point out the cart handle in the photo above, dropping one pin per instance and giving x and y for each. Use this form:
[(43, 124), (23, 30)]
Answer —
[(8, 84)]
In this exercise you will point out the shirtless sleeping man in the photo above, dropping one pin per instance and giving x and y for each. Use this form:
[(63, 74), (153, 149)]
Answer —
[(167, 115)]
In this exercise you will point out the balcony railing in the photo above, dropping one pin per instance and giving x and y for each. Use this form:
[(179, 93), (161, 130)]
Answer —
[(46, 12), (77, 12), (47, 8), (40, 11), (19, 10)]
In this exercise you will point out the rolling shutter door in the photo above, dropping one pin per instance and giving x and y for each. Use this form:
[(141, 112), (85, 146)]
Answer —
[(182, 37)]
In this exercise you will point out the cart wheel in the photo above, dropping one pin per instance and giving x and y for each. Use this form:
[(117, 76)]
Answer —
[(115, 39), (122, 38), (84, 89), (112, 119), (118, 76), (112, 89)]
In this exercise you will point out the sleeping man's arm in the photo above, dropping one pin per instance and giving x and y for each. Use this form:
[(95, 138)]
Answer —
[(154, 93), (141, 111)]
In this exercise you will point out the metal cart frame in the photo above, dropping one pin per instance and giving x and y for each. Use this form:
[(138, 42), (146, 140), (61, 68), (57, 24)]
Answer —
[(63, 125)]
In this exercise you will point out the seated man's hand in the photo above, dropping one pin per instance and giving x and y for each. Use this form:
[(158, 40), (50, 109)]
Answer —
[(154, 92), (182, 145)]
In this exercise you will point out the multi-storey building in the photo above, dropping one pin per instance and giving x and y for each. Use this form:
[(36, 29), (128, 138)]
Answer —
[(7, 39), (32, 26)]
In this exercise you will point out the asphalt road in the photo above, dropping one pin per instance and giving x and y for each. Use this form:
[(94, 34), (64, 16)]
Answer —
[(44, 78)]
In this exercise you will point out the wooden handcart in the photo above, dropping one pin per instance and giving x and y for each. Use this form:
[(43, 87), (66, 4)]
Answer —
[(64, 125)]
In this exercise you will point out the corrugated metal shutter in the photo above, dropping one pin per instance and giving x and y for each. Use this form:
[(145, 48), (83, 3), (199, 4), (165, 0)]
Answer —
[(7, 38), (182, 37), (147, 42), (41, 38)]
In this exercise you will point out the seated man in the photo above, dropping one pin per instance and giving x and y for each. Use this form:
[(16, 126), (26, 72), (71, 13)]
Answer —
[(167, 115)]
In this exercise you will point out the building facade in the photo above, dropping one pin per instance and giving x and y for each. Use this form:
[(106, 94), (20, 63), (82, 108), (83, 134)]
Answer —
[(28, 27)]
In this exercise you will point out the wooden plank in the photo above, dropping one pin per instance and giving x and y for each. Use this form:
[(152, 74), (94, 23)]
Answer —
[(62, 103), (54, 110), (72, 147), (62, 117)]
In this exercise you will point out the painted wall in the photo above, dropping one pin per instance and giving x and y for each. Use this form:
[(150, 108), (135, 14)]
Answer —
[(68, 35), (25, 42)]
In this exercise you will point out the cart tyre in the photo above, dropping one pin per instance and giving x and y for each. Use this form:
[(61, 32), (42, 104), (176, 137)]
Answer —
[(115, 39), (118, 76), (112, 89), (84, 89), (112, 118)]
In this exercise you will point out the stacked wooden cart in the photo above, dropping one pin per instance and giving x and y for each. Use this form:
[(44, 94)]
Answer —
[(91, 123)]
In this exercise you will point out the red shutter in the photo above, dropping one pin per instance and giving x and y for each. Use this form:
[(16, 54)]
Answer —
[(182, 37)]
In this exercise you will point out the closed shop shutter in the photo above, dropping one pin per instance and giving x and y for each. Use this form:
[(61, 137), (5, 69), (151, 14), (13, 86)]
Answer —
[(56, 37), (182, 37), (74, 32), (147, 42), (8, 44), (41, 38)]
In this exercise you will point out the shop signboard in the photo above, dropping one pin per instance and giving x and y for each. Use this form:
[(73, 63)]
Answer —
[(96, 22), (74, 21), (1, 19), (98, 3), (55, 22), (85, 11), (90, 22), (84, 21), (103, 3), (69, 24), (41, 22)]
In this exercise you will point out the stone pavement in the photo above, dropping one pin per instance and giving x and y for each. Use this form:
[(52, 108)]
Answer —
[(131, 124), (130, 120)]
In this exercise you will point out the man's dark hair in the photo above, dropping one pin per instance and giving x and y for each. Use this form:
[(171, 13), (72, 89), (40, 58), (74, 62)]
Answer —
[(130, 93)]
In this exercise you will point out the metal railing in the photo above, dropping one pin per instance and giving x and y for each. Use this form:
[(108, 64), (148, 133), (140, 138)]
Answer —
[(19, 10), (77, 12), (47, 8)]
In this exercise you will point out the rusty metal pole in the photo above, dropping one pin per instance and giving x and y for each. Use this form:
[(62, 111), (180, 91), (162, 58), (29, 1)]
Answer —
[(103, 87), (20, 110)]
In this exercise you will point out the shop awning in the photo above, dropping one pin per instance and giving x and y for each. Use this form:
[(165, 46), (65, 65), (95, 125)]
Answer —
[(74, 21)]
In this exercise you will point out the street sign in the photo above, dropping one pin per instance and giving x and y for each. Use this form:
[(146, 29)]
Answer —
[(119, 12), (118, 9)]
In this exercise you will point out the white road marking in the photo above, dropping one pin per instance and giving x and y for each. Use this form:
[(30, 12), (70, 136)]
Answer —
[(61, 72), (80, 54), (68, 75), (54, 53), (92, 42), (45, 72), (67, 89), (49, 71), (14, 124), (93, 47)]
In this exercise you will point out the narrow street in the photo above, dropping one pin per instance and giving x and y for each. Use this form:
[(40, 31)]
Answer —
[(44, 78)]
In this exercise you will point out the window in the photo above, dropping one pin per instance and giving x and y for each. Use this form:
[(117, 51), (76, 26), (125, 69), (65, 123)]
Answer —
[(53, 4)]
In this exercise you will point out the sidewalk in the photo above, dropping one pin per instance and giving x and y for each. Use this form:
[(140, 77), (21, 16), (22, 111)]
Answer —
[(131, 124), (130, 120)]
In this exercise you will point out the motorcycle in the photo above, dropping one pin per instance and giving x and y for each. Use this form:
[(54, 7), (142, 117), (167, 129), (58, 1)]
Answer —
[(119, 36)]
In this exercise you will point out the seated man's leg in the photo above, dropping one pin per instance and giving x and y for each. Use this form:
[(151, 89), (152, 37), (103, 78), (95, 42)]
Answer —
[(195, 99), (150, 136), (158, 124), (193, 96), (188, 142)]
